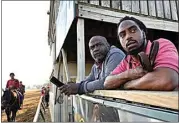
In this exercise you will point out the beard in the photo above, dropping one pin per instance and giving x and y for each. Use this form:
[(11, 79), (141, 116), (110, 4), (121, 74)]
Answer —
[(139, 49), (99, 59), (101, 56)]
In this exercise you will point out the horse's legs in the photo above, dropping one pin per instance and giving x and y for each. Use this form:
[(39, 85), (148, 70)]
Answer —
[(14, 115), (8, 113)]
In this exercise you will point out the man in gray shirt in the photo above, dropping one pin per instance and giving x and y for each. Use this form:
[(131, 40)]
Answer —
[(106, 59)]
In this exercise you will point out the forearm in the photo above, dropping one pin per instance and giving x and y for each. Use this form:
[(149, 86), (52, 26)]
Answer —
[(90, 86), (152, 81), (115, 81)]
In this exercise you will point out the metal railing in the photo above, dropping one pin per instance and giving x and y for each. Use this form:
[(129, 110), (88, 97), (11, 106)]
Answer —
[(39, 111)]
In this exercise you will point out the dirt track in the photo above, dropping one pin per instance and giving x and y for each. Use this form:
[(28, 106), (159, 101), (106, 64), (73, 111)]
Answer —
[(31, 100)]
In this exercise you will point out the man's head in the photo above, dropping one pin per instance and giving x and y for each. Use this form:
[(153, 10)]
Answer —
[(12, 75), (132, 35), (99, 48)]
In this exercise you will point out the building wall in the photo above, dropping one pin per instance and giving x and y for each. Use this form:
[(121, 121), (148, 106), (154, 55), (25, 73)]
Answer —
[(166, 9)]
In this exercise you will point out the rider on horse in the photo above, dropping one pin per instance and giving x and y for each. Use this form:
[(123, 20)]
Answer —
[(13, 85), (22, 90)]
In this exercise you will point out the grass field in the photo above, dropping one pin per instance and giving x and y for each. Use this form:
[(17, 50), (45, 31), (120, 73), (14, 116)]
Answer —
[(31, 101)]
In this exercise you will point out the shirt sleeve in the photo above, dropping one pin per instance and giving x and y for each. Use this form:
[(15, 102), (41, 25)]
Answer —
[(112, 62), (120, 68), (89, 78), (167, 55)]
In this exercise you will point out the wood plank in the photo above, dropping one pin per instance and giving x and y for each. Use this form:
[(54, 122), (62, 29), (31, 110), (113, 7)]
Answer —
[(135, 6), (161, 99), (174, 10), (64, 106), (159, 8), (80, 50), (105, 3), (167, 9), (95, 2), (127, 5), (100, 14), (177, 5), (84, 1), (116, 4), (152, 11), (143, 5), (65, 65)]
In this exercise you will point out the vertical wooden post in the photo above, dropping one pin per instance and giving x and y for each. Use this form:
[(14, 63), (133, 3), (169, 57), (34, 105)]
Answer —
[(65, 65), (59, 109), (68, 100), (80, 56), (65, 102), (80, 50)]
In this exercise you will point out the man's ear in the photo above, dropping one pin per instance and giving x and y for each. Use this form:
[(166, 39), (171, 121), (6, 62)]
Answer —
[(144, 35)]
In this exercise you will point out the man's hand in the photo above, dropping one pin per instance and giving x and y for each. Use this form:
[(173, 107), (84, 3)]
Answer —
[(95, 115), (115, 81), (69, 89), (136, 73), (130, 84), (161, 79)]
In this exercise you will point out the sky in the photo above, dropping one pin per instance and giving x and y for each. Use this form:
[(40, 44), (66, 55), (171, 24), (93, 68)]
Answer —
[(25, 49)]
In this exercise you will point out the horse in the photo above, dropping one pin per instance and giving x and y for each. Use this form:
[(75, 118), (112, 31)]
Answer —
[(10, 102)]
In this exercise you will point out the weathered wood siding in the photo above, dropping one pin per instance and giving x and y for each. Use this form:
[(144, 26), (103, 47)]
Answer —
[(165, 9)]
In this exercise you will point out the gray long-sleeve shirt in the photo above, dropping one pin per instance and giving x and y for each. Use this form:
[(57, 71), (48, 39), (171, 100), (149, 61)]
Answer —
[(97, 76)]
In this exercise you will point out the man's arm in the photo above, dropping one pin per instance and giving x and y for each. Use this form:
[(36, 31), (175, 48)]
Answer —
[(89, 78), (98, 84), (115, 81), (161, 79), (90, 84)]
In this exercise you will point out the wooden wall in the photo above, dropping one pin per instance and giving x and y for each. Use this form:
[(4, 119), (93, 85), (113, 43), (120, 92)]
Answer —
[(165, 9)]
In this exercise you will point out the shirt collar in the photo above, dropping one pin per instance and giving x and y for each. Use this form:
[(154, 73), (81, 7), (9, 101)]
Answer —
[(98, 65)]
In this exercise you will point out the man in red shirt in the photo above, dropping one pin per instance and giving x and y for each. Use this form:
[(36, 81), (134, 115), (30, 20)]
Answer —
[(130, 74), (12, 83)]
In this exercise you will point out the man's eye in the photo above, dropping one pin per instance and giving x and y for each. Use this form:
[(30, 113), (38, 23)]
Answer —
[(98, 44), (121, 35), (91, 48), (133, 30)]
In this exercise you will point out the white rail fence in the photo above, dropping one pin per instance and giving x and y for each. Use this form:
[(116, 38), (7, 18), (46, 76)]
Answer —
[(39, 110)]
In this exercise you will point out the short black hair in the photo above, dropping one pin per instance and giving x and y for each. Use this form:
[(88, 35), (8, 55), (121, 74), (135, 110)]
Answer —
[(138, 22), (12, 74)]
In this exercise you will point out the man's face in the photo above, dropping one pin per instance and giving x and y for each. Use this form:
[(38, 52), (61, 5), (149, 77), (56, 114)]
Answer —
[(98, 50), (12, 76), (131, 36)]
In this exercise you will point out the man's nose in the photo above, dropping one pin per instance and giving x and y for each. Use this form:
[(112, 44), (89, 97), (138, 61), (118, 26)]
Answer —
[(96, 48), (128, 36)]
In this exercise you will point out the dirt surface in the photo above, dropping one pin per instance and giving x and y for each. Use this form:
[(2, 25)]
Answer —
[(27, 113)]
